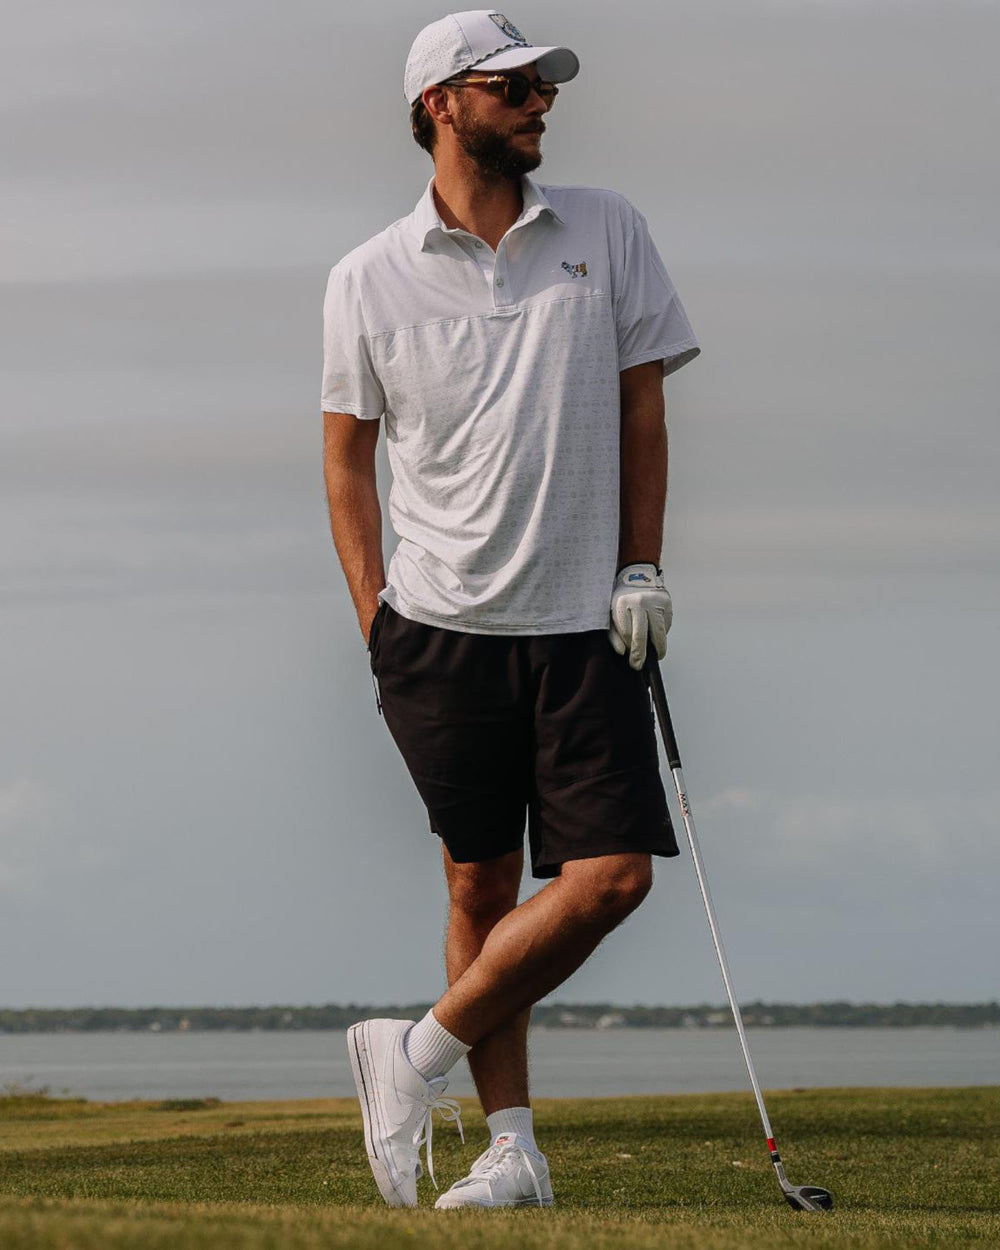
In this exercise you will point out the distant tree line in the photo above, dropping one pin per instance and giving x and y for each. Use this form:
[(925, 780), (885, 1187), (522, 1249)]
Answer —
[(553, 1015)]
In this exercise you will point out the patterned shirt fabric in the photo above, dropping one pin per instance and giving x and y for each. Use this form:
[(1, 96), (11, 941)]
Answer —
[(497, 376)]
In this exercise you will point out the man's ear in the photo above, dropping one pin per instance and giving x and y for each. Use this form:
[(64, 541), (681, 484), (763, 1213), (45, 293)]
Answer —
[(438, 102)]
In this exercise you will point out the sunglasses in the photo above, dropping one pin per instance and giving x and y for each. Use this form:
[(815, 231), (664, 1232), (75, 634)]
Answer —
[(515, 88)]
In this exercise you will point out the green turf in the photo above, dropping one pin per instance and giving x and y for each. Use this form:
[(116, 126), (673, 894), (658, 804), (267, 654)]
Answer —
[(908, 1168)]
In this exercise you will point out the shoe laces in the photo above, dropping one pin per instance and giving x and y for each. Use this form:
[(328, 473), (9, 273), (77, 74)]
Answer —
[(448, 1109), (499, 1159)]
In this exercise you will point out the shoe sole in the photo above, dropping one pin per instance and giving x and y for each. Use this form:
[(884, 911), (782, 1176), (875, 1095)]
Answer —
[(364, 1081), (486, 1206)]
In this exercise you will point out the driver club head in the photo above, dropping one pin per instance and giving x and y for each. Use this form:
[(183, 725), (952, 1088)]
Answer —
[(808, 1198)]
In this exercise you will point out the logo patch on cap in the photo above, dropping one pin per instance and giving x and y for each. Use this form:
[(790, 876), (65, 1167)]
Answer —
[(509, 29)]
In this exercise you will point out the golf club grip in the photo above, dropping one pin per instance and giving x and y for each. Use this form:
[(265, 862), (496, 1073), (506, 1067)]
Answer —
[(652, 671)]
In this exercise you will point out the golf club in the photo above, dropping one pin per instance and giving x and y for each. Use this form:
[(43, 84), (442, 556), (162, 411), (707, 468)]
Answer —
[(801, 1197)]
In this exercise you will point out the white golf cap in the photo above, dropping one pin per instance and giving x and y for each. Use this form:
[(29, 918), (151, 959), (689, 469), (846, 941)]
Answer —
[(480, 39)]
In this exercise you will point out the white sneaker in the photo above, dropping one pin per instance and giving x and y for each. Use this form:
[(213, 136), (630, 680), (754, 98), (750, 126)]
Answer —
[(506, 1175), (396, 1105)]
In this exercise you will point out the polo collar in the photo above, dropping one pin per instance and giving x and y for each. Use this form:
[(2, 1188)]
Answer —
[(426, 220)]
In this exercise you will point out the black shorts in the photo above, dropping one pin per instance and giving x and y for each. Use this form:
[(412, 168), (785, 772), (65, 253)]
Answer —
[(492, 726)]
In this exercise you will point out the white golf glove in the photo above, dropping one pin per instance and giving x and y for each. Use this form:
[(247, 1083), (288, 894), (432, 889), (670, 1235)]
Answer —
[(640, 610)]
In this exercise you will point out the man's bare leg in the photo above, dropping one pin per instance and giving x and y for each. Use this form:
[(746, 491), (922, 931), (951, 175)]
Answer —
[(526, 954), (535, 947), (480, 895)]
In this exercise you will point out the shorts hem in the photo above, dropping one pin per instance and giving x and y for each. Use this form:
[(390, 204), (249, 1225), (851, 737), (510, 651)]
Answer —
[(545, 870), (470, 855)]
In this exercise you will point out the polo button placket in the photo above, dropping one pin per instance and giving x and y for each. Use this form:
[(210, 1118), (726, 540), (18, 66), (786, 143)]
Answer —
[(477, 251), (501, 284), (483, 258)]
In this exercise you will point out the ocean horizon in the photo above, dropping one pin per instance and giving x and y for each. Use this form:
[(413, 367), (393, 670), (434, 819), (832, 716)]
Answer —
[(566, 1063)]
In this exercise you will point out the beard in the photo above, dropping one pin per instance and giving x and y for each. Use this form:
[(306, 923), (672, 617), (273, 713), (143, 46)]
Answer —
[(494, 152)]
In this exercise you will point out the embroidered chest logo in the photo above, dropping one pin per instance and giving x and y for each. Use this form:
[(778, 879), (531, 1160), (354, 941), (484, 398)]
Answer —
[(575, 271), (509, 29)]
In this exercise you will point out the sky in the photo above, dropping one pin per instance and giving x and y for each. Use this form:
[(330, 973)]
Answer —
[(198, 801)]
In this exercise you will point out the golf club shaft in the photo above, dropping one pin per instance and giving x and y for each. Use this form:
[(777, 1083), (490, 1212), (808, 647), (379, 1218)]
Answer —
[(674, 762)]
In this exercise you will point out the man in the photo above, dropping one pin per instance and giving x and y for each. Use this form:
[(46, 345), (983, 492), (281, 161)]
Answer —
[(515, 338)]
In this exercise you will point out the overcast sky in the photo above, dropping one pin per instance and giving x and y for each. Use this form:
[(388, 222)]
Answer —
[(198, 801)]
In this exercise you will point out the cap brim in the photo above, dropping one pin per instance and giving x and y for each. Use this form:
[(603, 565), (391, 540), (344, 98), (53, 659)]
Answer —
[(554, 64)]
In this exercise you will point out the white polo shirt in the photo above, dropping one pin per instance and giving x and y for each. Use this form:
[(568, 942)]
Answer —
[(497, 375)]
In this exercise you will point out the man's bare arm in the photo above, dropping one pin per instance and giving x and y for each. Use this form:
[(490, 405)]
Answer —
[(643, 464), (355, 514)]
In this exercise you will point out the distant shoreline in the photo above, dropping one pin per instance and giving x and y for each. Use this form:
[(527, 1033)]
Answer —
[(549, 1016)]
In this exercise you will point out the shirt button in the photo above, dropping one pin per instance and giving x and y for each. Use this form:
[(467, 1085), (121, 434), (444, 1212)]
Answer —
[(499, 281), (478, 244)]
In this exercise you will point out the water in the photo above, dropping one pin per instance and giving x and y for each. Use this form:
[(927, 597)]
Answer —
[(565, 1063)]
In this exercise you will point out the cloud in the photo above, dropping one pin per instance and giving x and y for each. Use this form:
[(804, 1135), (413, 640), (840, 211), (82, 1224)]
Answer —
[(22, 802), (27, 816), (841, 851)]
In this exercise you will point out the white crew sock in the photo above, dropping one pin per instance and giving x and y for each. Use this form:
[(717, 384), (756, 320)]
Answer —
[(431, 1048), (517, 1120)]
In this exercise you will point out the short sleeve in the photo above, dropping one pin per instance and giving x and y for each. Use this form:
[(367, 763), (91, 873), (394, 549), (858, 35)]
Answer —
[(649, 317), (350, 383)]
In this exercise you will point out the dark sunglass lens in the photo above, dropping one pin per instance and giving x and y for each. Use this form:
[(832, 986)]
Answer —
[(518, 90)]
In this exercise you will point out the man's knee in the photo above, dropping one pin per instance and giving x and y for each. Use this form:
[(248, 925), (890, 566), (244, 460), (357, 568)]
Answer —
[(611, 886), (481, 894)]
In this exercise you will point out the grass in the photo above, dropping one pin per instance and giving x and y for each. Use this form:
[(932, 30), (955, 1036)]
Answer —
[(908, 1168)]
